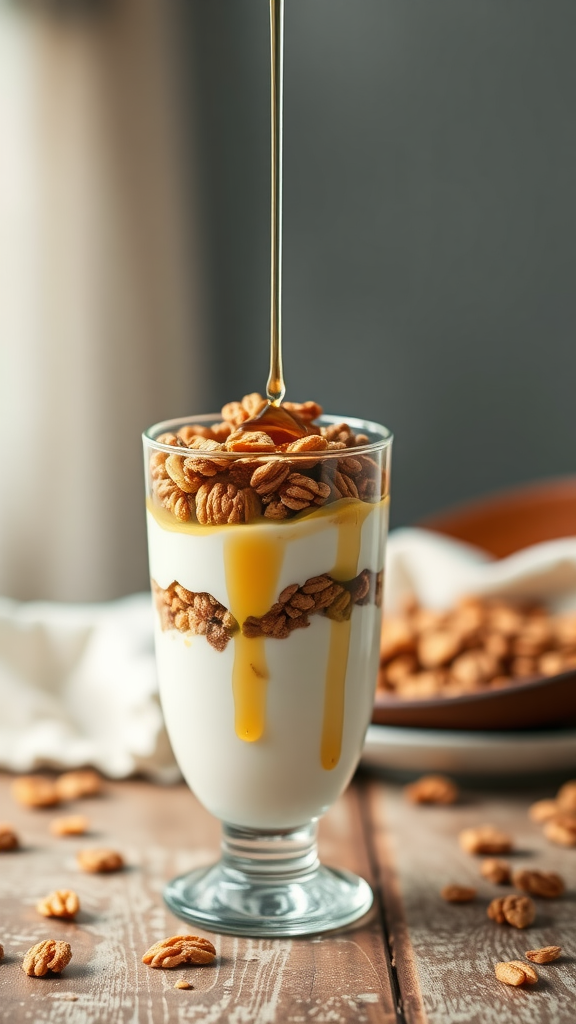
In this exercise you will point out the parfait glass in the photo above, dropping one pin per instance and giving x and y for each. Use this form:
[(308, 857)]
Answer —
[(267, 574)]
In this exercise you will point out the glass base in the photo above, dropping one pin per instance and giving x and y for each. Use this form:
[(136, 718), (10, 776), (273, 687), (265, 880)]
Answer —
[(269, 884)]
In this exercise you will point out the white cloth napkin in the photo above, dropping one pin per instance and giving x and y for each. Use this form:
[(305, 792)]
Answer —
[(78, 682), (78, 686), (438, 570)]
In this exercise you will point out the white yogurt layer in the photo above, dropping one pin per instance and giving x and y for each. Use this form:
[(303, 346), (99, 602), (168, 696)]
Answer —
[(277, 781)]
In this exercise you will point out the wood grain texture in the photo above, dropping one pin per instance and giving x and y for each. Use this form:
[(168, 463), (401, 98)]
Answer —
[(334, 978), (444, 954)]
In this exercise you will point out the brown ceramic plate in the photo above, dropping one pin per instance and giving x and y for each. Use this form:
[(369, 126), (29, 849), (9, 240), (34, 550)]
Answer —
[(527, 704)]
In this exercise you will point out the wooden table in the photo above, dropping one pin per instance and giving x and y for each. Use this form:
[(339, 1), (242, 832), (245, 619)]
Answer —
[(414, 958)]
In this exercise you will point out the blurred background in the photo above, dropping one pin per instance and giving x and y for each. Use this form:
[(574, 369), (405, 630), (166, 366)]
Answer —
[(429, 259)]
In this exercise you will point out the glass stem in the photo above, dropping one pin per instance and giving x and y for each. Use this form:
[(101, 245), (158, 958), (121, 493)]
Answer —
[(270, 856)]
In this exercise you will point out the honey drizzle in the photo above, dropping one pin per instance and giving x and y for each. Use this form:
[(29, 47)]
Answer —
[(253, 566), (275, 387), (346, 568)]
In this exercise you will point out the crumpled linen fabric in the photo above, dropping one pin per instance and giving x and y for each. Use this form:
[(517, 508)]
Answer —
[(438, 570), (78, 686)]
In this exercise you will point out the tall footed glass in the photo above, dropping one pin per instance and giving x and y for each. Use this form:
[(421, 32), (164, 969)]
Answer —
[(266, 569)]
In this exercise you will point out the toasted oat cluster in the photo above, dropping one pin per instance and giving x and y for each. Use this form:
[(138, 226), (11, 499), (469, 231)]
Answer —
[(198, 614), (49, 955), (79, 783), (514, 972), (99, 861), (485, 839), (318, 594), (202, 615), (479, 644), (558, 816), (544, 955), (71, 825), (432, 789), (35, 791), (200, 483), (60, 903), (179, 949), (518, 911), (8, 838)]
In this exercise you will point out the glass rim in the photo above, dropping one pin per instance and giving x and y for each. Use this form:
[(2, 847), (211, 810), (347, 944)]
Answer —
[(326, 419)]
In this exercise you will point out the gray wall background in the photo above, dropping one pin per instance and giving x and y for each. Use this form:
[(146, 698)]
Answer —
[(430, 224)]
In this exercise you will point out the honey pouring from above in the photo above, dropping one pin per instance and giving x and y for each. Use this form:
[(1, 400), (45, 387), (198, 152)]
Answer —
[(266, 532)]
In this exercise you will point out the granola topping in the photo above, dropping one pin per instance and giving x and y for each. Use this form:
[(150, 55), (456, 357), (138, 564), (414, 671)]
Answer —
[(201, 483)]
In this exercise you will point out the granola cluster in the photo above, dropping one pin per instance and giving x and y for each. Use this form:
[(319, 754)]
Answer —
[(481, 643), (318, 594), (198, 614), (200, 483), (202, 615)]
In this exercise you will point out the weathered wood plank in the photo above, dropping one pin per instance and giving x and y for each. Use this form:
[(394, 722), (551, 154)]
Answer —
[(444, 954), (338, 977)]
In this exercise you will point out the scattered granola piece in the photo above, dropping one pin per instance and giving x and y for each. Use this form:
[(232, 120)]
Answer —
[(514, 972), (35, 791), (531, 976), (8, 838), (561, 830), (547, 884), (566, 797), (180, 949), (76, 784), (496, 871), (71, 825), (183, 984), (545, 955), (60, 903), (99, 861), (458, 893), (485, 839), (1, 951), (432, 789), (49, 955), (543, 810), (519, 911)]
